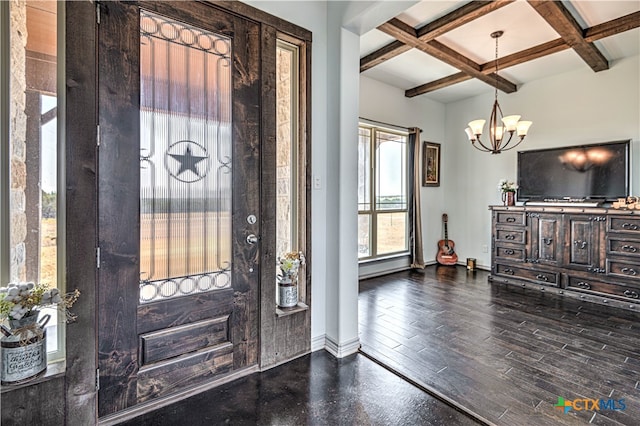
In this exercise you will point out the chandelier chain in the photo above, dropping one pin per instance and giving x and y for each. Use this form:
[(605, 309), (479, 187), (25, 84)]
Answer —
[(496, 87)]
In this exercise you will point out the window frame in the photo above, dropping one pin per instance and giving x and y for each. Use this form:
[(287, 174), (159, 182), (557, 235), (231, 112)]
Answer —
[(373, 212), (287, 44), (300, 171), (59, 354)]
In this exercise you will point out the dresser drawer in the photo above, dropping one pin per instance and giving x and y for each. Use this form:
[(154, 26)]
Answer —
[(511, 218), (627, 224), (509, 252), (623, 246), (602, 288), (518, 236), (539, 277), (623, 269)]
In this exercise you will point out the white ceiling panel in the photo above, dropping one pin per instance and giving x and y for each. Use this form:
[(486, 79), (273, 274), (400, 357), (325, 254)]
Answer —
[(372, 41), (523, 28), (557, 63), (428, 11), (461, 91), (414, 68), (592, 13), (620, 45)]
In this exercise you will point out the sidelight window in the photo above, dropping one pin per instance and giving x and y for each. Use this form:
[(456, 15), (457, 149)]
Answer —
[(32, 207), (287, 150)]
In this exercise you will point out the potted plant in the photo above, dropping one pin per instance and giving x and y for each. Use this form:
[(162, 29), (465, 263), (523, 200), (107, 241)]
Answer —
[(508, 190), (289, 264), (23, 345)]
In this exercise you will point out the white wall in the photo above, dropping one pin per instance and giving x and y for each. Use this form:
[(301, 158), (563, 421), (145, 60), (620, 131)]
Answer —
[(573, 108), (381, 102), (312, 15)]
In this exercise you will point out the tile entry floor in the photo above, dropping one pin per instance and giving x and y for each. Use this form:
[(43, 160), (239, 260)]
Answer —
[(316, 389)]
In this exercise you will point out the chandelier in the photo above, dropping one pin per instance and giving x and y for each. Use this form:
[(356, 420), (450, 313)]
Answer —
[(497, 129)]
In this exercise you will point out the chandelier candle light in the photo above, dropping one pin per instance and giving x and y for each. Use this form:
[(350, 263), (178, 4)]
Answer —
[(512, 123)]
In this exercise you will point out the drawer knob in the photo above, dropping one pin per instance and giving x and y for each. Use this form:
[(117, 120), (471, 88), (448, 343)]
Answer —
[(580, 244), (542, 277), (632, 294), (547, 241), (628, 248), (583, 285), (509, 252), (511, 219), (629, 271), (630, 226), (509, 237), (508, 271)]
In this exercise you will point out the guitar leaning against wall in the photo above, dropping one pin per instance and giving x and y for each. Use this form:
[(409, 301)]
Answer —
[(446, 254)]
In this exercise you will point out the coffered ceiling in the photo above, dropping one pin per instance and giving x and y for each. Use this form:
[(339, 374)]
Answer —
[(443, 49)]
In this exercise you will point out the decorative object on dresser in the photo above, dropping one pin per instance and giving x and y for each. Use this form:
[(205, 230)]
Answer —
[(497, 131), (508, 190), (629, 203), (446, 254), (588, 253)]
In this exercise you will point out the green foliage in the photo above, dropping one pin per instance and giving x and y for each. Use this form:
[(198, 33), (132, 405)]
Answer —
[(49, 204), (5, 307)]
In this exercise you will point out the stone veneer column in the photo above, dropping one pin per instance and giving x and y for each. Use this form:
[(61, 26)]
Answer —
[(18, 131)]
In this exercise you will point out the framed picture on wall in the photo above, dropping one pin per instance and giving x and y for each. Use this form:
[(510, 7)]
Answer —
[(430, 164)]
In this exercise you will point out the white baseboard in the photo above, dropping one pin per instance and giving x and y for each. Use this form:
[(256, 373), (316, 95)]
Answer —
[(341, 351), (318, 342), (385, 272)]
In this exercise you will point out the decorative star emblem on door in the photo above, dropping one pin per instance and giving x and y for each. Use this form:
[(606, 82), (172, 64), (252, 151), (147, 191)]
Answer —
[(187, 161)]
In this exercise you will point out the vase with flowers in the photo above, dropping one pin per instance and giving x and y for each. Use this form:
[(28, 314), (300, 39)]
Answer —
[(23, 346), (508, 190), (289, 264)]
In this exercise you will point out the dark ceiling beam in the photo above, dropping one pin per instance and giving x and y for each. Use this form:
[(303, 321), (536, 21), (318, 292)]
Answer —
[(565, 24), (383, 54), (535, 52), (441, 83), (597, 32), (430, 31), (613, 27), (488, 68), (407, 35), (459, 17)]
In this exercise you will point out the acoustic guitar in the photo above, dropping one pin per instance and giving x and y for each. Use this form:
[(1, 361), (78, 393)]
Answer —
[(446, 254)]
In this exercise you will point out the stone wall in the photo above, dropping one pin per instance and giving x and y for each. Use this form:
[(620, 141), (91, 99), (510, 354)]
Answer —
[(18, 130), (283, 150)]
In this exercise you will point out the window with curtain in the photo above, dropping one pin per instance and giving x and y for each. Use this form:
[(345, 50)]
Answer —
[(383, 192)]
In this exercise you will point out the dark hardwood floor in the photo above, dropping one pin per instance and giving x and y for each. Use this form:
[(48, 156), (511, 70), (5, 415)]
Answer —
[(504, 353), (315, 389)]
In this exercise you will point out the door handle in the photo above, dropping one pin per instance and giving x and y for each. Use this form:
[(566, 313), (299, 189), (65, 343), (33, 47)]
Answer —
[(252, 239)]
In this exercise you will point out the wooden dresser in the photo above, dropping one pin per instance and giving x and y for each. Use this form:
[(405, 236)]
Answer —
[(583, 252)]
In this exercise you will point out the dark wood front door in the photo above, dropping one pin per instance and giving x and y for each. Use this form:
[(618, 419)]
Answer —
[(178, 188)]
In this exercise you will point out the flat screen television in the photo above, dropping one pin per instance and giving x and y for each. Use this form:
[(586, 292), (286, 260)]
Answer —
[(597, 172)]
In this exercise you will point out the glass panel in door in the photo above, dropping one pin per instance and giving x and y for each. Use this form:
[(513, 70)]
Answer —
[(185, 159)]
